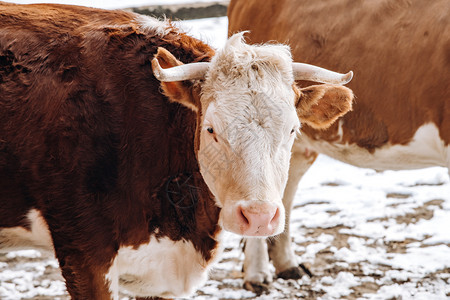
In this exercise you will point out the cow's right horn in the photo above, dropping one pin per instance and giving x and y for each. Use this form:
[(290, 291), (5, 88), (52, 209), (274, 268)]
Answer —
[(179, 73), (317, 74)]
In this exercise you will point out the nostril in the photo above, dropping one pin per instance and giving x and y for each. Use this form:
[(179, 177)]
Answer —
[(243, 217), (276, 216)]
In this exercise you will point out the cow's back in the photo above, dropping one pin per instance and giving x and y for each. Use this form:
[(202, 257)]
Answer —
[(399, 51), (54, 117)]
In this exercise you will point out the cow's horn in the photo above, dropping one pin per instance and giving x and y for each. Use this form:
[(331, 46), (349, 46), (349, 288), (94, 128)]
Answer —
[(180, 73), (317, 74)]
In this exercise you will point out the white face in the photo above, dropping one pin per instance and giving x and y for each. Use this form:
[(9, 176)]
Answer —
[(249, 124)]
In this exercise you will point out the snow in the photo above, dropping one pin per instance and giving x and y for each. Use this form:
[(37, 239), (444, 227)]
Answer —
[(365, 234), (340, 286), (213, 31)]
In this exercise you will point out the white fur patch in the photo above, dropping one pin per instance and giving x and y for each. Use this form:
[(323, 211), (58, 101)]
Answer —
[(160, 27), (426, 149), (19, 238), (162, 268), (248, 100)]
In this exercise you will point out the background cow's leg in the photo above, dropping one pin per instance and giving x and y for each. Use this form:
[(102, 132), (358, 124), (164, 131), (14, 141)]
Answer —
[(256, 265), (448, 160), (280, 249)]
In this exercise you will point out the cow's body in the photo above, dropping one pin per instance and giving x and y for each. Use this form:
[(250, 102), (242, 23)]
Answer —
[(90, 148), (121, 175), (400, 52)]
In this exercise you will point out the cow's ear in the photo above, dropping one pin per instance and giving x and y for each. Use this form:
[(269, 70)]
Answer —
[(177, 91), (319, 106)]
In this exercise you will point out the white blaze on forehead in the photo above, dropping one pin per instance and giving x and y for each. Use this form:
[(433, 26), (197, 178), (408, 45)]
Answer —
[(251, 90), (239, 64)]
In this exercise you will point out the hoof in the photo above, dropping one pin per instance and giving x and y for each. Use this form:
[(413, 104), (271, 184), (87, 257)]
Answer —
[(291, 273), (295, 272), (306, 270), (256, 287)]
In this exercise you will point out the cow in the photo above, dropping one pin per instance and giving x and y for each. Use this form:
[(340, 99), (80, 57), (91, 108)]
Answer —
[(400, 52), (126, 146)]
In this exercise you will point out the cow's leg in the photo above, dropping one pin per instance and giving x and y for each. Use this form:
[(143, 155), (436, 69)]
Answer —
[(280, 249), (256, 265), (84, 280), (85, 254)]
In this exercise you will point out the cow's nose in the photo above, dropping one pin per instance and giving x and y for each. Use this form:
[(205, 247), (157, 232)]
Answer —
[(260, 220)]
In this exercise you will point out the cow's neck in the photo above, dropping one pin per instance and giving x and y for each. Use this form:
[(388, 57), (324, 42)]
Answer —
[(178, 204), (186, 211)]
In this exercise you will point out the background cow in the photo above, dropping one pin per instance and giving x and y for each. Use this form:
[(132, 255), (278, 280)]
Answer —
[(123, 176), (400, 51)]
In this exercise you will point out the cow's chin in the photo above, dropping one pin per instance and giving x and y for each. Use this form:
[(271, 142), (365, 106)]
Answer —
[(253, 219)]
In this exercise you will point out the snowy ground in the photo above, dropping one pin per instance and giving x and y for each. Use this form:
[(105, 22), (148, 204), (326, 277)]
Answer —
[(363, 234)]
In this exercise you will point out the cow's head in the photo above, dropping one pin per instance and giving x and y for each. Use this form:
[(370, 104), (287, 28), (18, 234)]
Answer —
[(248, 111)]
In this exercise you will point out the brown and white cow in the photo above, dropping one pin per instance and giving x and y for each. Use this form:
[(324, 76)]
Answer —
[(400, 51), (128, 179)]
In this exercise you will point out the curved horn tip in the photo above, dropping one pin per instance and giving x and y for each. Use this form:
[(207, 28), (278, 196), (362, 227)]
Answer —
[(157, 71), (347, 77)]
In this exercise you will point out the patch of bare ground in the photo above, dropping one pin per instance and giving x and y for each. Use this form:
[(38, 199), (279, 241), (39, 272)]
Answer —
[(446, 272), (311, 294), (366, 287), (398, 195), (398, 246), (332, 212), (331, 183), (421, 212), (339, 241), (311, 203), (424, 212), (425, 184)]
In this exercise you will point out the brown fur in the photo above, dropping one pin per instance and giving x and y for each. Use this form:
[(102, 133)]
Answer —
[(320, 106), (398, 50), (176, 91), (87, 138)]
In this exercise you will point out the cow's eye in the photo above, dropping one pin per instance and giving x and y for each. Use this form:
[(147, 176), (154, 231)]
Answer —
[(210, 130), (293, 130)]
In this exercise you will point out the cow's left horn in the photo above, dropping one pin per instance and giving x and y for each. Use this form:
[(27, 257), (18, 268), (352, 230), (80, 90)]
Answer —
[(180, 73), (317, 74)]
